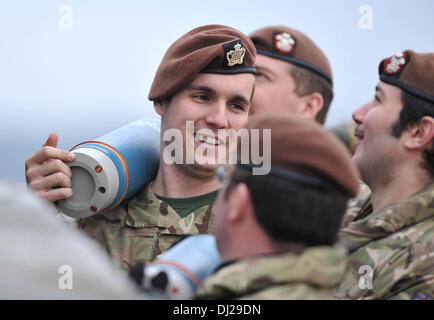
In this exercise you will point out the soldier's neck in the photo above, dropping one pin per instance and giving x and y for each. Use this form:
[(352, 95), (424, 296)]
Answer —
[(403, 184), (173, 181)]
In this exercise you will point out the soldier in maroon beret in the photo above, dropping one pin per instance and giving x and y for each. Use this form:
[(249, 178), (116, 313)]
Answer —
[(390, 234), (293, 74), (276, 232), (206, 77)]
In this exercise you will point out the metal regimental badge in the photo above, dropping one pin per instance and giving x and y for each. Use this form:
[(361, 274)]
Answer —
[(284, 43), (395, 63), (236, 56)]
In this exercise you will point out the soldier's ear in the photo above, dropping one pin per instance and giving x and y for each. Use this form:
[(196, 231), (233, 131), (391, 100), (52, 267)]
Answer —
[(239, 203), (419, 135), (313, 104)]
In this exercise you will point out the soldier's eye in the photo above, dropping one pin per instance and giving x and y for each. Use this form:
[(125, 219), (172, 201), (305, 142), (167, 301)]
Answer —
[(377, 99), (259, 75), (201, 97), (237, 106)]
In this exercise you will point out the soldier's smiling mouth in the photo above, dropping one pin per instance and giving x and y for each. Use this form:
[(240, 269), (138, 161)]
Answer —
[(214, 141)]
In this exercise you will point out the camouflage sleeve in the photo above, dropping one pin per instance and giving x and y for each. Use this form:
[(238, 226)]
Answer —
[(104, 228), (398, 269), (422, 290)]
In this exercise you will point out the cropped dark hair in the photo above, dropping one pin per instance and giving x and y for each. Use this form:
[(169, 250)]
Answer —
[(413, 109), (308, 82), (290, 211)]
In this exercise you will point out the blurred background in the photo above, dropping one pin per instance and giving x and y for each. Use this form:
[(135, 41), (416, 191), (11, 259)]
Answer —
[(84, 68)]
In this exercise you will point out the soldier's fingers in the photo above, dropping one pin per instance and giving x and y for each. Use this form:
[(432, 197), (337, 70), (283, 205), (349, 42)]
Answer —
[(52, 140), (58, 179), (52, 167), (56, 194), (48, 152), (47, 168)]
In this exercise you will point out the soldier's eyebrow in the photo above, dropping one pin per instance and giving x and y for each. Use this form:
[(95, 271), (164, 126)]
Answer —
[(213, 92), (262, 69), (240, 98), (377, 88), (379, 91), (206, 89)]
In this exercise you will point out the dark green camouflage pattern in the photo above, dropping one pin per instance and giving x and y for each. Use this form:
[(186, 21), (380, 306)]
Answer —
[(397, 243), (143, 227), (310, 275)]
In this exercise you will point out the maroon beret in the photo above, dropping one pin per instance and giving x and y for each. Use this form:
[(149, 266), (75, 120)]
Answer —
[(412, 72), (305, 147), (211, 49), (291, 45)]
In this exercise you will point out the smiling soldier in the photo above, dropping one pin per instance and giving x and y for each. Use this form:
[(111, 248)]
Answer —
[(391, 236), (207, 77)]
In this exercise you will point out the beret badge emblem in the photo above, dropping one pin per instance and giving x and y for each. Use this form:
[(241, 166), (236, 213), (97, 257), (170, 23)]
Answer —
[(236, 56), (395, 63), (284, 42)]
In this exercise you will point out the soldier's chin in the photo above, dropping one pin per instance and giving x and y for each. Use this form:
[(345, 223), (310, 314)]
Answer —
[(206, 163)]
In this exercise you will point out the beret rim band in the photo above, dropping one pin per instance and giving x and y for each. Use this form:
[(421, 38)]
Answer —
[(230, 71), (406, 87), (294, 176), (299, 62)]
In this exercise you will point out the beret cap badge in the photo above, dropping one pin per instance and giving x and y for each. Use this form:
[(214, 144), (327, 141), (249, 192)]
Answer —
[(284, 42), (410, 71), (395, 63), (236, 56)]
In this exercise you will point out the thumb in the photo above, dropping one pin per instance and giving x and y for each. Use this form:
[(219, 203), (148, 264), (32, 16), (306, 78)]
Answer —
[(52, 140)]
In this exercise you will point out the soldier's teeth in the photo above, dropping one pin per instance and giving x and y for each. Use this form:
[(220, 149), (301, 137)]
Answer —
[(205, 139), (208, 139)]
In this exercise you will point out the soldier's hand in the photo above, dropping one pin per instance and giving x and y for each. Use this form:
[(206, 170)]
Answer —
[(47, 173)]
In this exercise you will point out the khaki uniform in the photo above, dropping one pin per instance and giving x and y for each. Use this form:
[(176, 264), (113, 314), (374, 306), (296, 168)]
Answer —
[(309, 275), (396, 243), (143, 227)]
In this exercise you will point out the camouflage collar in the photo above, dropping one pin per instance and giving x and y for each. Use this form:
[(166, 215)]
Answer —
[(146, 210), (388, 219), (316, 267)]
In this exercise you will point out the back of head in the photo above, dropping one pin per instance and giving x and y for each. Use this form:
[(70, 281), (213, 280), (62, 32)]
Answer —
[(303, 198), (311, 68)]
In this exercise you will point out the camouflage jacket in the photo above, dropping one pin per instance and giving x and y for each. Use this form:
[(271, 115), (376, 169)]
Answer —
[(143, 227), (356, 205), (287, 276), (391, 250)]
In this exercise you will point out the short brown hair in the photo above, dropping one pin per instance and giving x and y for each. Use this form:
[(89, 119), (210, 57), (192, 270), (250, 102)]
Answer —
[(308, 82)]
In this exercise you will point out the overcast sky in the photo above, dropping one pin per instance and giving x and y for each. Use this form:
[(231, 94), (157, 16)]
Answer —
[(84, 68)]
